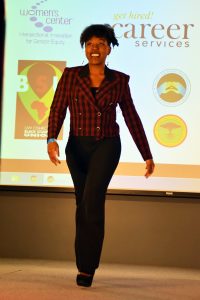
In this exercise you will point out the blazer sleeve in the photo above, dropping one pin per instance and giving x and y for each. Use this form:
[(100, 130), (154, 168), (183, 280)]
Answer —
[(58, 107), (133, 121)]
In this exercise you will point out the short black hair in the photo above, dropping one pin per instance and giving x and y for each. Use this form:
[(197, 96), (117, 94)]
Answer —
[(99, 30)]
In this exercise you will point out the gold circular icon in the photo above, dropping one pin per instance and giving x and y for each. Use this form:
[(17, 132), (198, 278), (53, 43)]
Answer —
[(15, 178), (50, 179), (171, 87), (34, 178), (170, 131)]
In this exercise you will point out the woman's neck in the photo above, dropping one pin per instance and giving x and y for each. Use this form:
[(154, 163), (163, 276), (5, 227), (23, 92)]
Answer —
[(97, 75), (96, 70)]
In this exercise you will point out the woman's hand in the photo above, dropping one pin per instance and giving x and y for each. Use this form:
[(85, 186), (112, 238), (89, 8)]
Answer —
[(53, 151), (149, 167)]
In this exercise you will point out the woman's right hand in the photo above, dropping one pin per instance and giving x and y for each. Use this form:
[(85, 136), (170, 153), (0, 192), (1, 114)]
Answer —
[(53, 151)]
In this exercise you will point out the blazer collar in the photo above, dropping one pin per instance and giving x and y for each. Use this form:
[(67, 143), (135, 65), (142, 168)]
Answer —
[(84, 72), (110, 80)]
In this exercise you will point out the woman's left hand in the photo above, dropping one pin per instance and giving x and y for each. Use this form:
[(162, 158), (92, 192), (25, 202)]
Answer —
[(149, 167)]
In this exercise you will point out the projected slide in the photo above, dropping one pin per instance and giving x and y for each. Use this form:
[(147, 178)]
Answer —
[(159, 48)]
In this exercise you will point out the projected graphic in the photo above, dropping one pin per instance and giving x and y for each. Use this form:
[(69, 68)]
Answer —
[(172, 87), (170, 131), (42, 17), (37, 81), (158, 49)]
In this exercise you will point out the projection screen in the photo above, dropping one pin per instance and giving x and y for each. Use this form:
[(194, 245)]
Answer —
[(159, 48)]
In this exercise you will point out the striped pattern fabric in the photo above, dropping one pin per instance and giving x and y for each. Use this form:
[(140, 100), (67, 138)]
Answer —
[(95, 116)]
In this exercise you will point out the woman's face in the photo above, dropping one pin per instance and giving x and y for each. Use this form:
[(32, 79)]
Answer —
[(96, 50)]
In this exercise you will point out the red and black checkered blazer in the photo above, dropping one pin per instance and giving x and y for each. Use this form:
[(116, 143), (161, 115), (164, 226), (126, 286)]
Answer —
[(95, 116)]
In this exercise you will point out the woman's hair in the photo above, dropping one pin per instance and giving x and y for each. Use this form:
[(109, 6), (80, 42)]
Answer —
[(99, 30)]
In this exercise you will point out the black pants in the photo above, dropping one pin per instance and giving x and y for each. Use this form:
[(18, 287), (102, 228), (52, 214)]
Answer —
[(91, 163)]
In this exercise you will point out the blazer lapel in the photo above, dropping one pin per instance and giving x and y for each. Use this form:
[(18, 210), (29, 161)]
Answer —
[(111, 79), (84, 81)]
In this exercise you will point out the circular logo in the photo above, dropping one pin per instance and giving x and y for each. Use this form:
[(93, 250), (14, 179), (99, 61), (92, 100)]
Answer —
[(172, 87), (50, 179), (15, 178), (170, 131), (33, 178)]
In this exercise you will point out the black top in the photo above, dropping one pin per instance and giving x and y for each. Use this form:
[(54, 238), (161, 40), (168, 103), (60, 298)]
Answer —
[(94, 90)]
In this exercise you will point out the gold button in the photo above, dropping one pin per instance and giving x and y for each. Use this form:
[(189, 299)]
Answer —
[(80, 128), (98, 114), (80, 114), (98, 128)]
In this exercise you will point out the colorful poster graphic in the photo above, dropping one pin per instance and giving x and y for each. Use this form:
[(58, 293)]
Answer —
[(170, 131), (172, 87), (37, 81)]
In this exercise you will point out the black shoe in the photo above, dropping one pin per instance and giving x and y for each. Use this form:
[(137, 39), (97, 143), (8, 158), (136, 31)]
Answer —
[(84, 280)]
